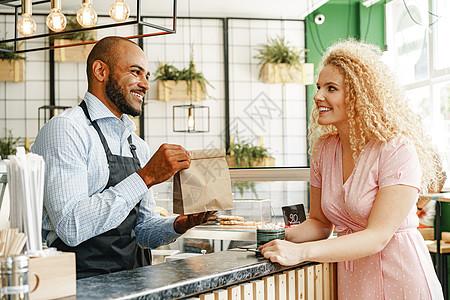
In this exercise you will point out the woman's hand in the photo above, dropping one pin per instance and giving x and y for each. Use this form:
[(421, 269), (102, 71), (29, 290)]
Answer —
[(283, 252)]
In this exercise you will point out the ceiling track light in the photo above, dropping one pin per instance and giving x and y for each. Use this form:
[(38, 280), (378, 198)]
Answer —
[(87, 17), (56, 20), (26, 25)]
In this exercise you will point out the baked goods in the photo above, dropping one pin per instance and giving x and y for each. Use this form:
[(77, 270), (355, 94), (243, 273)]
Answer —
[(231, 222), (230, 218)]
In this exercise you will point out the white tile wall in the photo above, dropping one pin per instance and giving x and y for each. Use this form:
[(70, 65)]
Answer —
[(255, 108)]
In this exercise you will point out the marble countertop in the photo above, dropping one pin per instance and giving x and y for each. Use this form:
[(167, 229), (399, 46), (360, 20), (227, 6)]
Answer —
[(180, 278)]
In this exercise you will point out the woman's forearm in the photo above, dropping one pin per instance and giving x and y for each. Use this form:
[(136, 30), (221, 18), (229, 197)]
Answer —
[(348, 247), (310, 230)]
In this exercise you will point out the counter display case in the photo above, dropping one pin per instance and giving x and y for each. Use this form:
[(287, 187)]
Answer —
[(277, 187)]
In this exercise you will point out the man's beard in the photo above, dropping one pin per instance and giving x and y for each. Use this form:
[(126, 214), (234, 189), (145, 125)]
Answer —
[(116, 94)]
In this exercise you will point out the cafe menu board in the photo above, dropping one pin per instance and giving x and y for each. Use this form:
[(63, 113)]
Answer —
[(293, 214)]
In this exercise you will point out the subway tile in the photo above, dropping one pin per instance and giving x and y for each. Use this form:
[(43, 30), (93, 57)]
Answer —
[(39, 56), (258, 38), (241, 72), (156, 54), (36, 70), (212, 71), (152, 91), (82, 89), (211, 53), (213, 35), (14, 90), (66, 71), (295, 109), (67, 90), (36, 90), (15, 109), (156, 126), (32, 128), (17, 127), (32, 108), (241, 55), (239, 37)]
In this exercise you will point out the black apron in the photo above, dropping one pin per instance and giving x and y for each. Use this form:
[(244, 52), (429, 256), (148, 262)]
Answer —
[(116, 249)]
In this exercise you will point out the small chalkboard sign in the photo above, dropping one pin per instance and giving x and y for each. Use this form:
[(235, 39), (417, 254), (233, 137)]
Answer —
[(293, 214)]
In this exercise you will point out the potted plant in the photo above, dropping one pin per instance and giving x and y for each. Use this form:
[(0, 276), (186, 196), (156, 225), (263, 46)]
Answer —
[(185, 84), (75, 53), (8, 145), (281, 63), (12, 65), (246, 155)]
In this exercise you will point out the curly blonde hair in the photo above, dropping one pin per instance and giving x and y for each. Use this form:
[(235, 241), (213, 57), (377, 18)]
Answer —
[(377, 106)]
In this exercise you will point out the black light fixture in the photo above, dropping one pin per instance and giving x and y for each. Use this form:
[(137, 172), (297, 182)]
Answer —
[(119, 11), (190, 118)]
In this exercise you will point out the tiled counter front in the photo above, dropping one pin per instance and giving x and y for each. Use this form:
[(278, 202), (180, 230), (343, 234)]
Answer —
[(220, 275)]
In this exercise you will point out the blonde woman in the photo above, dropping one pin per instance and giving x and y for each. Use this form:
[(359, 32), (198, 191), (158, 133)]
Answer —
[(369, 161)]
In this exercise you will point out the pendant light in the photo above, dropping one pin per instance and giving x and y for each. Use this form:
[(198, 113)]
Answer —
[(119, 11), (26, 25), (25, 29), (56, 20), (86, 16), (191, 118)]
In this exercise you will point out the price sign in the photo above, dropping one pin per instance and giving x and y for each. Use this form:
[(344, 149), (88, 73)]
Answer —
[(294, 214)]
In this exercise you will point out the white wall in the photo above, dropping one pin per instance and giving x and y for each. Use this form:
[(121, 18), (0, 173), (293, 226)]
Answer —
[(275, 112)]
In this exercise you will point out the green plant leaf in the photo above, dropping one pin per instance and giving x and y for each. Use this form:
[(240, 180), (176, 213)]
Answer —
[(9, 55), (278, 51), (8, 145), (170, 72)]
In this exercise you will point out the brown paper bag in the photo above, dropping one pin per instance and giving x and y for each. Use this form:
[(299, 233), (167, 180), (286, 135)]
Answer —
[(205, 186)]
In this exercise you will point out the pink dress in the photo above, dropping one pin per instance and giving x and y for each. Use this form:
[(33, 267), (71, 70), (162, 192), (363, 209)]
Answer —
[(403, 269)]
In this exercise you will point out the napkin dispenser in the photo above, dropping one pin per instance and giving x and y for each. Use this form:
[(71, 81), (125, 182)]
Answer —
[(52, 277)]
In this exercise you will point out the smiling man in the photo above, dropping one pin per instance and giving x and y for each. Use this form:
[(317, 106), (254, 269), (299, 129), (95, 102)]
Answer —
[(98, 200)]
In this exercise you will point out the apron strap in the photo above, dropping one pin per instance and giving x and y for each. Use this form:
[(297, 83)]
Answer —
[(102, 137)]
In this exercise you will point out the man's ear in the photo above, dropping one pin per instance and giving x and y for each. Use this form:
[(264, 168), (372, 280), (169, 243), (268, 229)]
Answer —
[(100, 70)]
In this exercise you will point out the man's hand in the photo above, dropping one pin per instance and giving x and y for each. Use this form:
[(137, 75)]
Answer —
[(168, 160), (184, 222)]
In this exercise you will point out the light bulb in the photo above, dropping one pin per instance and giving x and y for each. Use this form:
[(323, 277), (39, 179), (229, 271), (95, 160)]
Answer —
[(26, 25), (56, 21), (119, 11), (190, 120), (86, 16)]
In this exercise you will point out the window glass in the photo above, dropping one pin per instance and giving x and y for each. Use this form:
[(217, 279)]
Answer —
[(406, 34), (409, 44), (255, 201), (440, 34)]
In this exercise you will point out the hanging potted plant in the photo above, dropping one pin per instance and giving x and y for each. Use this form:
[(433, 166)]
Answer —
[(185, 84), (12, 65), (246, 155), (74, 53), (281, 63)]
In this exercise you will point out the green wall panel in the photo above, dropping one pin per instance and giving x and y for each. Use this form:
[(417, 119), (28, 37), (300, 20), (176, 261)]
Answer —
[(343, 19)]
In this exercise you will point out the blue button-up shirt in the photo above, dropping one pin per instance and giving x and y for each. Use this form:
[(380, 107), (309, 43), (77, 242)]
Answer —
[(76, 208)]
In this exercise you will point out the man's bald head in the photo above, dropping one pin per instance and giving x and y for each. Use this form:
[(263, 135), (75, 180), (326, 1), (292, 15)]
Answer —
[(105, 50)]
